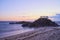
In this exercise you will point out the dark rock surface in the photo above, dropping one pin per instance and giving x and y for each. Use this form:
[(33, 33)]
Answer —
[(41, 22), (25, 24), (21, 22)]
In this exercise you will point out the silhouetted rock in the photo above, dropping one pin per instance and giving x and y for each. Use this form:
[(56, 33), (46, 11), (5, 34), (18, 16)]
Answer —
[(12, 23), (26, 24), (41, 22), (21, 22)]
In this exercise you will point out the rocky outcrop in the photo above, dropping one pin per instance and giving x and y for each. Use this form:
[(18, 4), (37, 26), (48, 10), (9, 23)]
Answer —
[(42, 22), (20, 22), (26, 24)]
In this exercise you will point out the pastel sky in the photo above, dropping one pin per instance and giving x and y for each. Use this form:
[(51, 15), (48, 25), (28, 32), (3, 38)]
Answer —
[(28, 9)]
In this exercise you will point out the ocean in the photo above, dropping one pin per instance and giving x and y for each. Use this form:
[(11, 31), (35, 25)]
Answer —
[(7, 29)]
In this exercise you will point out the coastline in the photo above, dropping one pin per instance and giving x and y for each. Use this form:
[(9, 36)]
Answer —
[(41, 33)]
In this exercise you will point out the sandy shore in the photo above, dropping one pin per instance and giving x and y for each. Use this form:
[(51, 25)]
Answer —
[(43, 33)]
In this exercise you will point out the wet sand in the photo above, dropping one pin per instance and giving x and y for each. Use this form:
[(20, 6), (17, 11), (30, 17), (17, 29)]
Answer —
[(43, 33)]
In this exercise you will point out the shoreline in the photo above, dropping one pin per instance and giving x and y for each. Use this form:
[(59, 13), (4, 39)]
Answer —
[(7, 34), (33, 34)]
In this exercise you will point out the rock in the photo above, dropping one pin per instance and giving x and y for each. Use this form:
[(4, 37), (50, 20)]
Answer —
[(12, 23), (41, 22), (21, 22), (25, 24)]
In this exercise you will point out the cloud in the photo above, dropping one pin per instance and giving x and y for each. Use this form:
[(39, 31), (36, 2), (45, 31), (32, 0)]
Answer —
[(56, 17)]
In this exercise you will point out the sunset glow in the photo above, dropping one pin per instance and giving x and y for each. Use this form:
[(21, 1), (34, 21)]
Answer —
[(20, 10)]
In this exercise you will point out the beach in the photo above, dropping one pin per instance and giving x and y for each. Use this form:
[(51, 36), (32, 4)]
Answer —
[(29, 19), (43, 33)]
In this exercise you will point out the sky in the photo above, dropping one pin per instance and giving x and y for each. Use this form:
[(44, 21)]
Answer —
[(15, 10)]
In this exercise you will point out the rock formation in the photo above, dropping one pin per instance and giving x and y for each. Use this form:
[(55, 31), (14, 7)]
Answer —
[(42, 22), (20, 22)]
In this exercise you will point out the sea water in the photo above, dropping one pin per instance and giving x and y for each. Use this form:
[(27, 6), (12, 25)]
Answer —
[(7, 29)]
